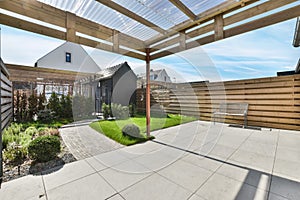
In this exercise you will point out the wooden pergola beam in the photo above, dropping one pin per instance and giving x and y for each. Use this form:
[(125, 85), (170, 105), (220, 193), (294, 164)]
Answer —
[(296, 42), (131, 15), (70, 27), (184, 9), (219, 27), (116, 41), (202, 17), (251, 12), (250, 26), (32, 27), (36, 28), (57, 17)]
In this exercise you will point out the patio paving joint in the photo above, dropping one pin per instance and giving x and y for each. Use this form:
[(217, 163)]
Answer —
[(274, 160)]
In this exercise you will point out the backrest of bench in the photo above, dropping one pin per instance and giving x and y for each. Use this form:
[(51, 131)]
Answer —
[(234, 108)]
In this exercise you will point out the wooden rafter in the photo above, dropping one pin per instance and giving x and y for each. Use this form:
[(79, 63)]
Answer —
[(296, 41), (240, 16), (184, 9), (131, 15), (202, 17), (250, 26), (57, 17)]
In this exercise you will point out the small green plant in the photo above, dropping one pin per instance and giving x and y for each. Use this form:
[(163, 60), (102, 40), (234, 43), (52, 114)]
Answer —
[(132, 130), (14, 153), (32, 131), (106, 110), (120, 112), (44, 148)]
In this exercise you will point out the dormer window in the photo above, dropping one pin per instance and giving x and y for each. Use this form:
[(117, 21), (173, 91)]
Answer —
[(68, 57)]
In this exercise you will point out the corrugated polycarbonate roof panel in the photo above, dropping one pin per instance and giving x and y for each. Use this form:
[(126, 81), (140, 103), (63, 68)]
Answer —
[(199, 6), (160, 12), (94, 11)]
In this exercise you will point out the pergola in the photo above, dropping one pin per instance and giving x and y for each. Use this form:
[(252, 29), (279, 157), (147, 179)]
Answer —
[(145, 29)]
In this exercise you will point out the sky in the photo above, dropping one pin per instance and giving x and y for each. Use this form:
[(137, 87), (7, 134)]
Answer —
[(260, 53)]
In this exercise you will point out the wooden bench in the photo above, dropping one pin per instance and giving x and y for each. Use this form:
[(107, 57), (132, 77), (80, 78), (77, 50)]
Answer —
[(233, 109)]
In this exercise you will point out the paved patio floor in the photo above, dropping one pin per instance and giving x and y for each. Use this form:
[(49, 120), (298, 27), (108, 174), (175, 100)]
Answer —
[(84, 142), (195, 161)]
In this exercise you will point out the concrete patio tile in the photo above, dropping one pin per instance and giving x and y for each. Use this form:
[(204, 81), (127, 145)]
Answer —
[(116, 197), (131, 166), (143, 148), (94, 163), (252, 177), (252, 160), (28, 187), (286, 188), (68, 173), (259, 148), (124, 175), (232, 140), (89, 187), (38, 198), (196, 197), (225, 188), (288, 154), (276, 197), (157, 160), (156, 187), (186, 175), (264, 137), (289, 140), (217, 151), (205, 163), (112, 158), (287, 169)]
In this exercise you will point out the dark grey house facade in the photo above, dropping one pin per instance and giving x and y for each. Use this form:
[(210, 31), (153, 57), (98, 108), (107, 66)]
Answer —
[(115, 84)]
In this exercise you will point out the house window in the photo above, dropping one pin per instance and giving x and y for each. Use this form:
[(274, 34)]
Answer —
[(165, 79), (68, 57)]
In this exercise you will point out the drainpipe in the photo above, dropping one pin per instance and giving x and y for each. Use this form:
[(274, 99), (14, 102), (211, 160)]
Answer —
[(148, 91)]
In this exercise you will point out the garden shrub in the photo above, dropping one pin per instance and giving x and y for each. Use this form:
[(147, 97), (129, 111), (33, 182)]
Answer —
[(45, 116), (14, 153), (31, 130), (44, 148), (132, 130), (119, 112), (106, 110), (24, 139)]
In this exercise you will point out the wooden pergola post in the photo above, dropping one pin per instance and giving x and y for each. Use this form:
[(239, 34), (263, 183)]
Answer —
[(148, 91)]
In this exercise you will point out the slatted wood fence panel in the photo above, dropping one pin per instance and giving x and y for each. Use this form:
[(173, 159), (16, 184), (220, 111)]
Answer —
[(6, 97), (273, 102)]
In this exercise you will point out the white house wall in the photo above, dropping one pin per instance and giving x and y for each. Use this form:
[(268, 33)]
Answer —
[(161, 77), (80, 60)]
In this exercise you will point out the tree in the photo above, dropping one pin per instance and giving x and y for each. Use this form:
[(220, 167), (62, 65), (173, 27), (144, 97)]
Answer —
[(68, 108), (41, 100), (54, 104), (63, 105), (32, 105), (23, 107), (17, 105)]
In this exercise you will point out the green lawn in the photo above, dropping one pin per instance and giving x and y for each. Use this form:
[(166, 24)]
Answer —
[(113, 129)]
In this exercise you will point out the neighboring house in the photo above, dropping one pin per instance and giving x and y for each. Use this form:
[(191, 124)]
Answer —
[(68, 56), (115, 84), (158, 75)]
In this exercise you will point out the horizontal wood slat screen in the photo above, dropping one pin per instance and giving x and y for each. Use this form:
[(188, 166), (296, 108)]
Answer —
[(274, 102), (6, 97)]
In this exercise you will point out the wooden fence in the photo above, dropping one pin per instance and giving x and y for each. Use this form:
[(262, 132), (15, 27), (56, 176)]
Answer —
[(273, 102), (6, 97), (6, 106)]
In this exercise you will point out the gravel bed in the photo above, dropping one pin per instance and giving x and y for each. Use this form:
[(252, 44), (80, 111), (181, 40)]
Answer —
[(29, 167)]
